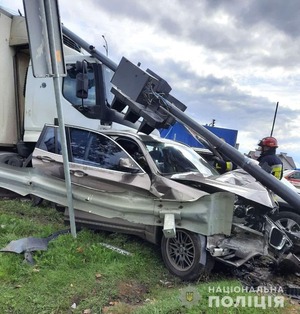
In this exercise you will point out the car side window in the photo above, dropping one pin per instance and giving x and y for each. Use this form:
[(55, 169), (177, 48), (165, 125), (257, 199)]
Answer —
[(79, 140), (50, 141), (97, 150), (295, 175)]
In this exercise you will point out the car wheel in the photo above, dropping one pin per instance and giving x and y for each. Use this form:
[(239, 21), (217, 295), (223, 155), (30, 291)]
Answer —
[(291, 223), (185, 255)]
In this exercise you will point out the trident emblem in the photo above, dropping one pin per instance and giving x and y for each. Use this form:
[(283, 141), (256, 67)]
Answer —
[(189, 296)]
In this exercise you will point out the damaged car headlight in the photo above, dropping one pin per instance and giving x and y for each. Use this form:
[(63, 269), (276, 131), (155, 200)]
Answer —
[(242, 211)]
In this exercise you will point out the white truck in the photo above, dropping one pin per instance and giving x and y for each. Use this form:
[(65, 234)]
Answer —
[(27, 102)]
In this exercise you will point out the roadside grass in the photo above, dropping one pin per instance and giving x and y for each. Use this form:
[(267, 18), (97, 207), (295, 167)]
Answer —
[(83, 276)]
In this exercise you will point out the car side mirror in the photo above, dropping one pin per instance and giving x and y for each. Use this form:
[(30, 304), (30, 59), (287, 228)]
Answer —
[(126, 165), (82, 80)]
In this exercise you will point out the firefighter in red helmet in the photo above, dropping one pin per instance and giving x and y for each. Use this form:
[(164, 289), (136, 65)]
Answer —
[(268, 159)]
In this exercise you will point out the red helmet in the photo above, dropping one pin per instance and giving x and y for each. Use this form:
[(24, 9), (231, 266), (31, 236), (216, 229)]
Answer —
[(269, 142)]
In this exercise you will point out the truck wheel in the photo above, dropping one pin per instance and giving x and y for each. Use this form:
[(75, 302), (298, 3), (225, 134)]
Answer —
[(185, 255), (35, 200), (11, 159), (291, 223), (15, 161)]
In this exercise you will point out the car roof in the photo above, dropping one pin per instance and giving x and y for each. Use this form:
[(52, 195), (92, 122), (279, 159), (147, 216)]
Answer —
[(129, 133), (141, 136), (200, 150), (289, 171)]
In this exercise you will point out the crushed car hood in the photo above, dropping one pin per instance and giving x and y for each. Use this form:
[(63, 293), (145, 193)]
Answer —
[(237, 181)]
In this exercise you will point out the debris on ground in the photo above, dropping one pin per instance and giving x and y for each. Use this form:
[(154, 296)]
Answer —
[(265, 273), (116, 249), (31, 244)]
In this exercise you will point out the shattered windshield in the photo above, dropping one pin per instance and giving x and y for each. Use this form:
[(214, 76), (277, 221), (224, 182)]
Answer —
[(175, 158)]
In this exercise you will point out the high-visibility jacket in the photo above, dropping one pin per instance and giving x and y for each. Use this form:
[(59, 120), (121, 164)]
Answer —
[(223, 166), (274, 163)]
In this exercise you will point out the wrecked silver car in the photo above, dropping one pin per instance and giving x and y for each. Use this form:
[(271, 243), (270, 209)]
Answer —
[(161, 191)]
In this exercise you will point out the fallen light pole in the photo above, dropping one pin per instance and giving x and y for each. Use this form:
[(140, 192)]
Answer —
[(147, 96)]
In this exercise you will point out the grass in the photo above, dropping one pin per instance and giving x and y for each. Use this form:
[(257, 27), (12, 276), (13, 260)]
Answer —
[(82, 276)]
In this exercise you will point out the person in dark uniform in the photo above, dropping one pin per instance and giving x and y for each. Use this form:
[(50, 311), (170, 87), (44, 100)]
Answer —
[(268, 159)]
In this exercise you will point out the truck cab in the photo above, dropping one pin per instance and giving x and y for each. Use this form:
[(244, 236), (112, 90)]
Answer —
[(40, 99)]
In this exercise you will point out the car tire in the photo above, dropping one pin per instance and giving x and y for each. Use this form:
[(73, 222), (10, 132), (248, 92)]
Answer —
[(290, 222), (185, 256)]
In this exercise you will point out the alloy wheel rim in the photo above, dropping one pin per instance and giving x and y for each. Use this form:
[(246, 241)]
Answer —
[(181, 251), (290, 225)]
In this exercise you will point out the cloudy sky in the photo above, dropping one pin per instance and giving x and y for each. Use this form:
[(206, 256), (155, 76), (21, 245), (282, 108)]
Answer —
[(231, 61)]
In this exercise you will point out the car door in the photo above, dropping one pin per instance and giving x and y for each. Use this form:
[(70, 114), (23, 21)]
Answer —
[(98, 162), (47, 155)]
